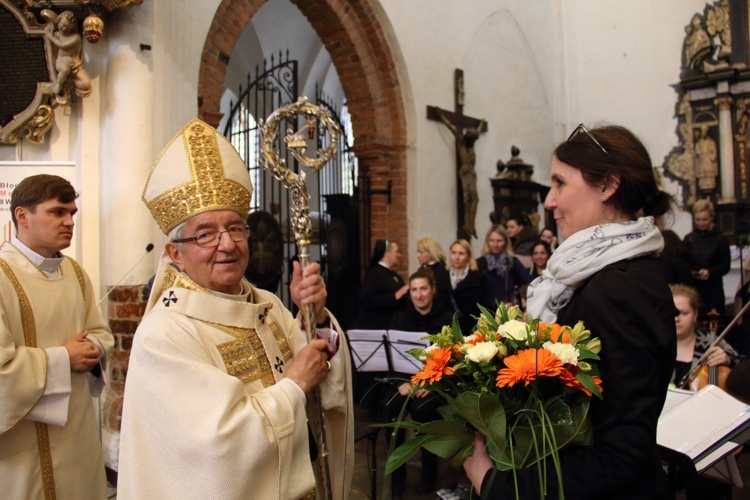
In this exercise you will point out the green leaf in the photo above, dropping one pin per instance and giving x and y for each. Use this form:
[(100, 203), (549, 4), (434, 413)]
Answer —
[(458, 459), (585, 354), (485, 413), (446, 446), (403, 424), (447, 428), (404, 452), (456, 330), (589, 384)]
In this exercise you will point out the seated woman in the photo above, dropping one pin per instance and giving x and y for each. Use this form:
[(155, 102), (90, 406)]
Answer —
[(692, 342), (503, 272), (421, 315), (604, 197), (431, 255), (468, 284)]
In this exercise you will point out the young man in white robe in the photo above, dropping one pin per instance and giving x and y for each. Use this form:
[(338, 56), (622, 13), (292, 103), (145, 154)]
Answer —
[(219, 372), (54, 344)]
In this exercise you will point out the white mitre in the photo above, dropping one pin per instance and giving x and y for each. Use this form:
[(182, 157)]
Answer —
[(198, 171)]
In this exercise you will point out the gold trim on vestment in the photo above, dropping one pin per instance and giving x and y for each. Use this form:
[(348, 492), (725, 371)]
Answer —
[(286, 351), (245, 357), (79, 275), (29, 337)]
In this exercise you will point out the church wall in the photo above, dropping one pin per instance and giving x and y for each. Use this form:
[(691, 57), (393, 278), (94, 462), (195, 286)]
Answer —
[(533, 74)]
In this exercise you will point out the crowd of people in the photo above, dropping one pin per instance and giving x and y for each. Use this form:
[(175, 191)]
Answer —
[(242, 364)]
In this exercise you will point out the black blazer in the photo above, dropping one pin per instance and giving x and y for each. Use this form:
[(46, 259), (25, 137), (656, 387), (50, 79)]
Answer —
[(627, 305), (377, 298), (471, 291)]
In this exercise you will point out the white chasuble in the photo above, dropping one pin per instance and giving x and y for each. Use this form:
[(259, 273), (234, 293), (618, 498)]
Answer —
[(207, 412), (54, 310)]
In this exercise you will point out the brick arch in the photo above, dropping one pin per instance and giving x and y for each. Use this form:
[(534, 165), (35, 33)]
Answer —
[(355, 39)]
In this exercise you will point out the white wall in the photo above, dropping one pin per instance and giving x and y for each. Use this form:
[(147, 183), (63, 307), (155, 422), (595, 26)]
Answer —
[(533, 69)]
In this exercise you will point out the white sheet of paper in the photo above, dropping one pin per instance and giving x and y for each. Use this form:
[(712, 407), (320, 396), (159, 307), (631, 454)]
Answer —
[(401, 341), (700, 421), (368, 350)]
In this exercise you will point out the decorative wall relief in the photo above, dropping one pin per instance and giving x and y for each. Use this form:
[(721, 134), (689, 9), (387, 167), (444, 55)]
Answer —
[(41, 63), (712, 112)]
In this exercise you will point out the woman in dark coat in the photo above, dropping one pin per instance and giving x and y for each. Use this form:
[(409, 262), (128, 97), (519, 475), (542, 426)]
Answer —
[(430, 255), (503, 272), (604, 198), (383, 292), (468, 284), (422, 314), (707, 251)]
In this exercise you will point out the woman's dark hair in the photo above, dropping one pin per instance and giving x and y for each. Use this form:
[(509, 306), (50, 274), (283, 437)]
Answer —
[(546, 246), (619, 154), (519, 219), (378, 251), (673, 246), (424, 273)]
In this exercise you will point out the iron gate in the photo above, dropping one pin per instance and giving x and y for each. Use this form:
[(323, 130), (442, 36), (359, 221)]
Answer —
[(333, 204)]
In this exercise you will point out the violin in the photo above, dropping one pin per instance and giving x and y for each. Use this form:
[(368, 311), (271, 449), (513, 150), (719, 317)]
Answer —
[(700, 374)]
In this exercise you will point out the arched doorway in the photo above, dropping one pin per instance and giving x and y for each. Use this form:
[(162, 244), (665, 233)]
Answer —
[(354, 35)]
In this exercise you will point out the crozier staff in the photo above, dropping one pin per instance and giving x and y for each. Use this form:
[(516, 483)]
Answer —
[(215, 397), (604, 197)]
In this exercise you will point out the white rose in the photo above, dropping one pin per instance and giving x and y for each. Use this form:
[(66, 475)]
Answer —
[(566, 353), (514, 329), (483, 351), (431, 347)]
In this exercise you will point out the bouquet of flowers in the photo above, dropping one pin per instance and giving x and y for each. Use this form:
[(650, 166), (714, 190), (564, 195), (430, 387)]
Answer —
[(524, 384)]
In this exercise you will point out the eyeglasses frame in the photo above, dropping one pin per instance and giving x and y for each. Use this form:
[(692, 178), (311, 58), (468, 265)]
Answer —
[(194, 239)]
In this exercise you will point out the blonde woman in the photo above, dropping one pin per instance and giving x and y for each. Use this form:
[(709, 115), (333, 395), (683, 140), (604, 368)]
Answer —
[(707, 251), (503, 272), (467, 283), (431, 255)]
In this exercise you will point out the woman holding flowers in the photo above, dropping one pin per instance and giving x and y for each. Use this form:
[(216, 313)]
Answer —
[(604, 197)]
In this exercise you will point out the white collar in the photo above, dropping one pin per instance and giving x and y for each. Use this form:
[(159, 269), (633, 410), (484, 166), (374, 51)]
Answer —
[(49, 265)]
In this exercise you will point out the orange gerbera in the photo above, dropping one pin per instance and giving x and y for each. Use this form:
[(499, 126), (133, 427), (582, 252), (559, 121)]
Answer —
[(526, 365), (568, 377), (435, 367), (557, 333), (475, 338)]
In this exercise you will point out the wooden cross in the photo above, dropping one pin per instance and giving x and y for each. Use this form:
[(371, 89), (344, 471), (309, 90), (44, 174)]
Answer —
[(462, 123)]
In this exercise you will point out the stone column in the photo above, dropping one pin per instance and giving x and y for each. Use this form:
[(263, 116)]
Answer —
[(726, 149)]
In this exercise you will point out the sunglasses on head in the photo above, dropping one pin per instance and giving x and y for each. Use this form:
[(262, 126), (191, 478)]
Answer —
[(582, 128)]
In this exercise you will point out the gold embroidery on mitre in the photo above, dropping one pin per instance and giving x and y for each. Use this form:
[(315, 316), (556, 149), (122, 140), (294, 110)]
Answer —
[(209, 189), (286, 351), (245, 358)]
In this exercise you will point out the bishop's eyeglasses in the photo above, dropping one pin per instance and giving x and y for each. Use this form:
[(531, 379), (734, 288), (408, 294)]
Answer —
[(582, 128), (211, 238)]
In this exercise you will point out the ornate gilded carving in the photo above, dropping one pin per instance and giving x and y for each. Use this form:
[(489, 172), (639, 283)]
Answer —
[(708, 40), (41, 65)]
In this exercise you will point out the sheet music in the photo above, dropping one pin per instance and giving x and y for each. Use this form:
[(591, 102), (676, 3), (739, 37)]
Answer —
[(368, 350), (400, 342), (701, 421)]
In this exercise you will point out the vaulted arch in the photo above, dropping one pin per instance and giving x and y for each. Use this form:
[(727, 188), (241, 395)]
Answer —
[(356, 39)]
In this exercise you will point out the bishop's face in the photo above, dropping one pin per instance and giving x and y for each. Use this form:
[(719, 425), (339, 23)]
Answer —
[(218, 268)]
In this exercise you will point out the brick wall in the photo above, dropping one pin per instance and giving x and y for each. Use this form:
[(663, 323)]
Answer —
[(126, 307)]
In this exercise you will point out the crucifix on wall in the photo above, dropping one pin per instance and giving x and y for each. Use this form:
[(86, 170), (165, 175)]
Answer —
[(466, 130)]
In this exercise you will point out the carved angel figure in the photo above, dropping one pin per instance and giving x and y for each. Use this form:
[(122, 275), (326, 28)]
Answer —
[(68, 62)]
